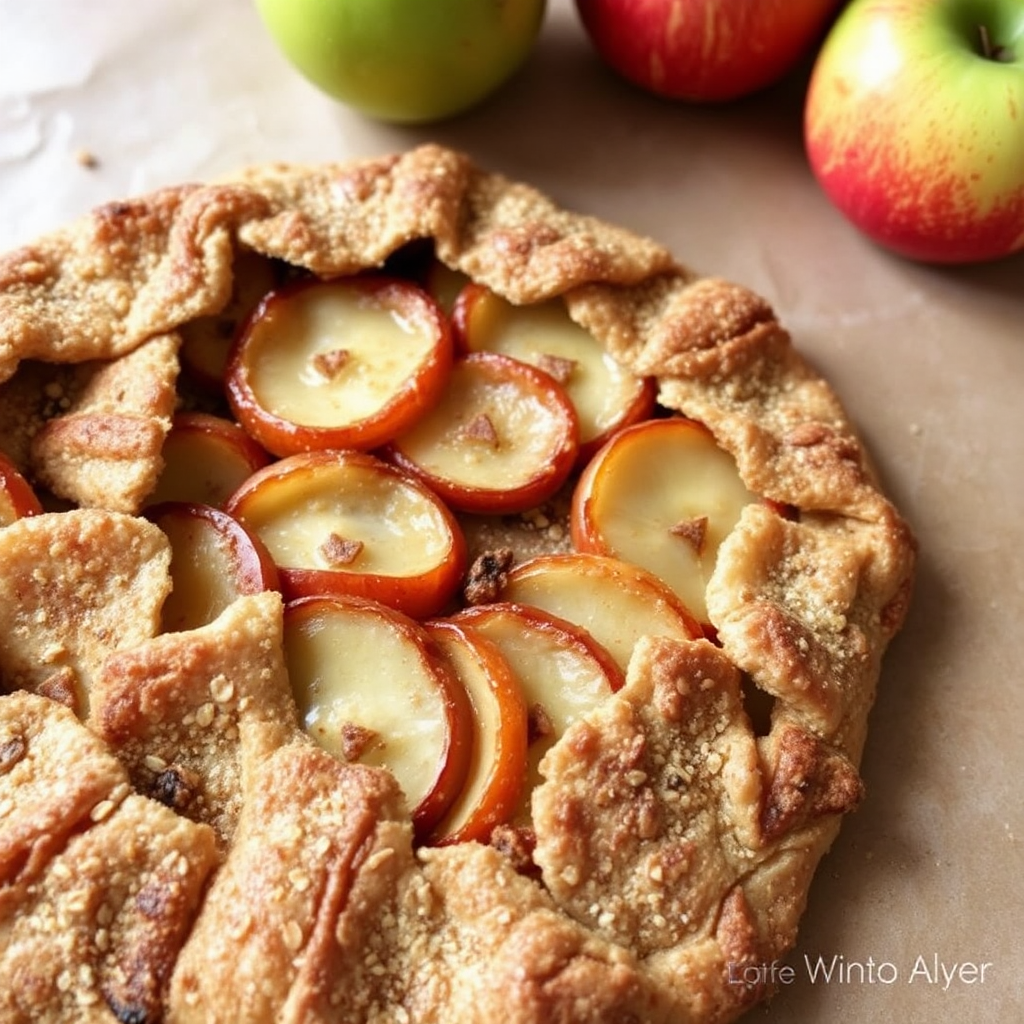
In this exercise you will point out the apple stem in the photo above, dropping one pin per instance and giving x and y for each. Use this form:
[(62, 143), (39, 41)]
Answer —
[(988, 51)]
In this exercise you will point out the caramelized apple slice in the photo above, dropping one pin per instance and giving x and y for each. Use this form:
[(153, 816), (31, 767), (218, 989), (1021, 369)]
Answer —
[(371, 687), (503, 437), (614, 601), (562, 670), (497, 769), (214, 561), (17, 498), (345, 522), (206, 459), (206, 342), (607, 397), (663, 495), (444, 284), (346, 363)]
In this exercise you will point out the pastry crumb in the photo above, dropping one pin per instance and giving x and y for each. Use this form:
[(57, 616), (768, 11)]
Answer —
[(86, 158)]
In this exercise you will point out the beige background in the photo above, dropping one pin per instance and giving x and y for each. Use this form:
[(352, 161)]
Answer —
[(930, 363)]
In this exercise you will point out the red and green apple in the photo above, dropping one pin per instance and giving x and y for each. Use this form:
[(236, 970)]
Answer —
[(914, 125)]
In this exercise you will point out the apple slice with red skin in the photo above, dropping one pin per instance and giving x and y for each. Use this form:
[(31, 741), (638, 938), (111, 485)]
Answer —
[(372, 687), (214, 561), (206, 459), (17, 498), (206, 342), (498, 766), (345, 522), (614, 601), (606, 396), (343, 363), (663, 495), (562, 670), (503, 437)]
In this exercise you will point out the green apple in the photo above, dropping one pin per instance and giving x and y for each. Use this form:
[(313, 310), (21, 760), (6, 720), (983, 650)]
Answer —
[(914, 125), (405, 60)]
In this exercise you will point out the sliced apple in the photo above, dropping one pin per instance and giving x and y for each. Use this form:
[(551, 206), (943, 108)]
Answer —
[(503, 437), (562, 670), (444, 284), (371, 687), (17, 498), (214, 561), (663, 495), (346, 522), (607, 397), (615, 601), (206, 459), (206, 342), (345, 363), (498, 765)]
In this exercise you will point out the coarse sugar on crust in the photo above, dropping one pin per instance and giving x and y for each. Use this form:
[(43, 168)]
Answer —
[(252, 876), (76, 586), (192, 714), (98, 885)]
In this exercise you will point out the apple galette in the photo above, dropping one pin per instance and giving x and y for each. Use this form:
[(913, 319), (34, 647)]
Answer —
[(417, 603)]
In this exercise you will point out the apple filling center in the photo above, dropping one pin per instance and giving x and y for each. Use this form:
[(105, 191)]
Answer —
[(382, 418)]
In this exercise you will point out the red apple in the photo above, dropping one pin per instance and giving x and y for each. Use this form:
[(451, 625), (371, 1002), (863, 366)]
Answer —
[(914, 127), (563, 673), (704, 50), (206, 343), (616, 602), (663, 495)]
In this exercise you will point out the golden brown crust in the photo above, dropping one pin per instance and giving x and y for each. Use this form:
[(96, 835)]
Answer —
[(76, 586), (103, 448), (264, 944), (92, 433), (630, 833), (37, 819), (674, 842), (191, 715), (99, 288), (92, 920), (806, 608)]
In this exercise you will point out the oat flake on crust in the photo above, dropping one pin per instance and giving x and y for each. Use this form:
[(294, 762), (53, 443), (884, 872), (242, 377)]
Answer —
[(673, 839)]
